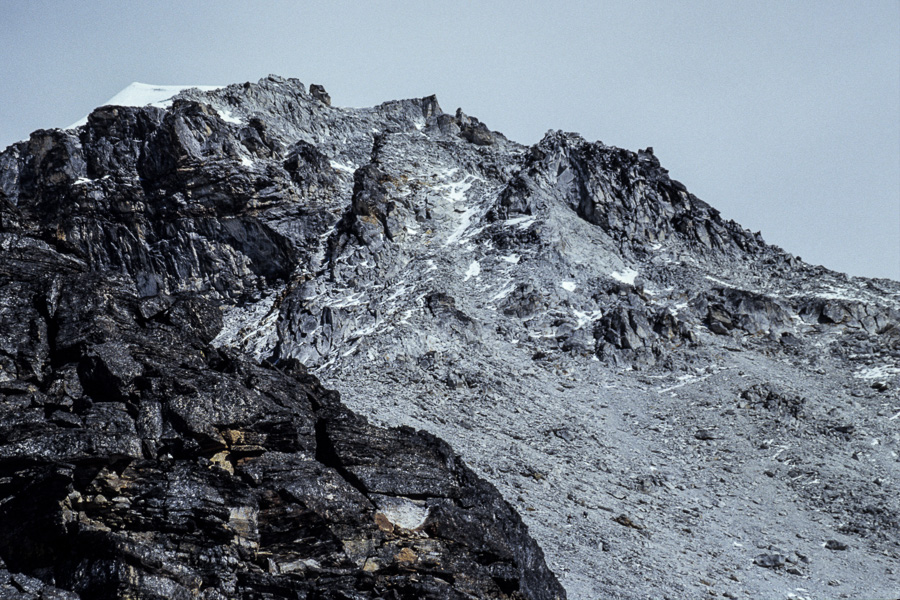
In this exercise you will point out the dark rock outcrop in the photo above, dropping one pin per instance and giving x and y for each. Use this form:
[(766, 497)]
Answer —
[(627, 194), (318, 92), (138, 460)]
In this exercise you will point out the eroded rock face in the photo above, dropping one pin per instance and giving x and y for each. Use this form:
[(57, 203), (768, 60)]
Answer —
[(138, 460), (662, 396)]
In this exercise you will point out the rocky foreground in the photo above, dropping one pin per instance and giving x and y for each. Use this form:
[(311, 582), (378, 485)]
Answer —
[(674, 408), (139, 461)]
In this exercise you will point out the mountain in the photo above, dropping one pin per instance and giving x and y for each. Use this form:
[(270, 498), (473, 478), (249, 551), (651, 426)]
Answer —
[(647, 395)]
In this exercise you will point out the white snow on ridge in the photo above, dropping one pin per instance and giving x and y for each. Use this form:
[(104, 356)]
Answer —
[(569, 286), (145, 94), (627, 276)]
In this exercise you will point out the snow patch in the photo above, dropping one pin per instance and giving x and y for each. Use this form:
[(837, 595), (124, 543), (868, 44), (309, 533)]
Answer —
[(228, 117), (521, 222), (569, 286), (719, 281), (683, 381), (457, 234), (473, 271), (145, 94), (342, 167), (512, 259), (353, 299), (626, 276), (456, 192), (831, 292), (584, 318)]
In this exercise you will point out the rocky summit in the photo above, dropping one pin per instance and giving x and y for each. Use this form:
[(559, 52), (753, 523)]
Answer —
[(256, 345)]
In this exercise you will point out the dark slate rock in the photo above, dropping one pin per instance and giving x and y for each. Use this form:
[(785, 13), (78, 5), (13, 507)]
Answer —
[(770, 561), (136, 460)]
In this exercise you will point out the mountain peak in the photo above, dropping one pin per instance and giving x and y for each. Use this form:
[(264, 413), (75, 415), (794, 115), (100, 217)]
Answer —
[(610, 357), (146, 94)]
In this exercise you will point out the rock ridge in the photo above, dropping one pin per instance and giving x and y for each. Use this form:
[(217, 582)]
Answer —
[(137, 460), (670, 404)]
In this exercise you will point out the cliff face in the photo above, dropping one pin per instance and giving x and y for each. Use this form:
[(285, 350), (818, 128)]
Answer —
[(137, 460), (672, 405)]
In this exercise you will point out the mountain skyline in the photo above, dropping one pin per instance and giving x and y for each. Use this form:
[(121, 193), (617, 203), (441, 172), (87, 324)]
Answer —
[(783, 117), (666, 402)]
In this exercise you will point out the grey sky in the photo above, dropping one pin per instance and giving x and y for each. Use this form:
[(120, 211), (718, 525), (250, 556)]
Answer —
[(783, 115)]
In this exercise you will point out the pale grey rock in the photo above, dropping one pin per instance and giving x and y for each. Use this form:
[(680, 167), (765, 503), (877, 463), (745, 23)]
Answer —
[(566, 316)]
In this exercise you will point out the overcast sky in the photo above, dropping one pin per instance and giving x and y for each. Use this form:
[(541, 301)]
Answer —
[(783, 115)]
